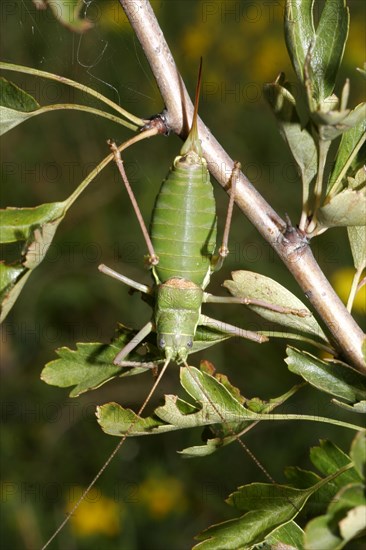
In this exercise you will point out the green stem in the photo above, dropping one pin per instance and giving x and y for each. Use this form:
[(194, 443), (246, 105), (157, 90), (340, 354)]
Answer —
[(323, 419), (84, 184), (304, 216), (273, 405), (85, 108), (305, 203), (329, 478), (353, 291), (337, 185), (318, 188), (29, 70), (89, 178)]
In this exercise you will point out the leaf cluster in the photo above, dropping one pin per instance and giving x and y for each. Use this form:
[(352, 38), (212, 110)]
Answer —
[(311, 116)]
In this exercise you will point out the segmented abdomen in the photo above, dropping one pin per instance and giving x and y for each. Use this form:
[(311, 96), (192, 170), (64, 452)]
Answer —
[(183, 225)]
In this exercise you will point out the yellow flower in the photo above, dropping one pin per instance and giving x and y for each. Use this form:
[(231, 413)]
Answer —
[(342, 281), (111, 16), (162, 496), (353, 54), (197, 41), (96, 515)]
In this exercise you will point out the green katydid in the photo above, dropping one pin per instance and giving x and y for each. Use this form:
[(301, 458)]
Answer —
[(182, 258), (182, 255)]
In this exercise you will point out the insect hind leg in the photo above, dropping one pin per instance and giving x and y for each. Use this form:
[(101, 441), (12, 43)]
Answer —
[(132, 344), (232, 330)]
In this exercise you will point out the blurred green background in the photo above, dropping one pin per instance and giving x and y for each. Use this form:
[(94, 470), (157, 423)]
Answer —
[(149, 497)]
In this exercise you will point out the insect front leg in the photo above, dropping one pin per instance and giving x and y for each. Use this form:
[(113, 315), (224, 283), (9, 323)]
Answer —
[(136, 340), (119, 359), (218, 259)]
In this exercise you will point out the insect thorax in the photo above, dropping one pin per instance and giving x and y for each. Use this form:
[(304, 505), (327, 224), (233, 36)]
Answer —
[(177, 311)]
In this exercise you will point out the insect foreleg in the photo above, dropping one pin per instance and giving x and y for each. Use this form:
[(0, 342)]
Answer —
[(126, 280), (143, 332), (254, 302), (218, 259), (225, 328), (136, 340)]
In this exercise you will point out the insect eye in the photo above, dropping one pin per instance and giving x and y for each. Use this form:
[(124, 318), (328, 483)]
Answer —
[(162, 343), (189, 344)]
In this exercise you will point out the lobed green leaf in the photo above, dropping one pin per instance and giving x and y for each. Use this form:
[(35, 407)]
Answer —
[(225, 435), (18, 224), (330, 460), (269, 507), (91, 364), (214, 405), (117, 421), (286, 537)]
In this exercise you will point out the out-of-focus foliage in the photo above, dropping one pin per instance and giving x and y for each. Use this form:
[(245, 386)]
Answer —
[(50, 443)]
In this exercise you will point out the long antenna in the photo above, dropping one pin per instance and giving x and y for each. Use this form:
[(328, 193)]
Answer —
[(110, 458), (235, 435)]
